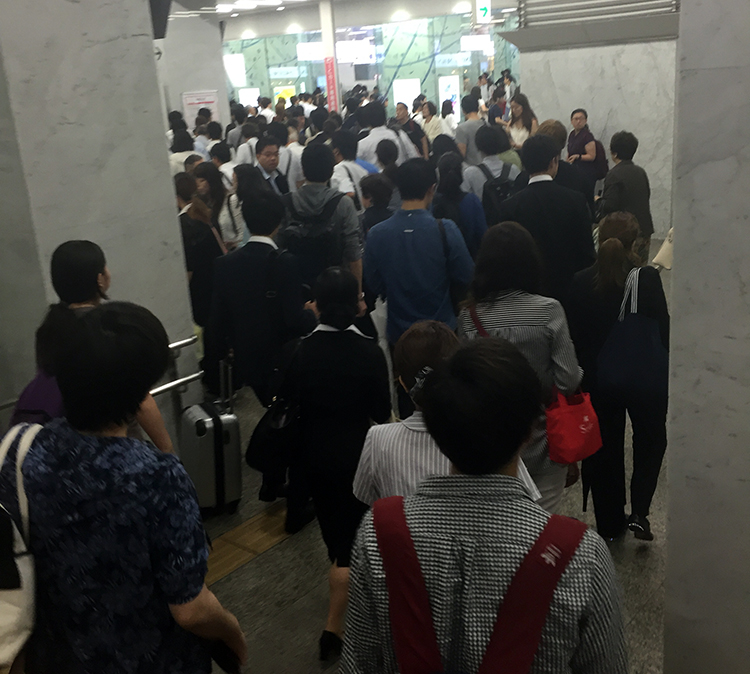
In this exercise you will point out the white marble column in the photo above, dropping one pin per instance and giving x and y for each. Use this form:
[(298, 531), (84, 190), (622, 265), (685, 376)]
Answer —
[(82, 156), (708, 571)]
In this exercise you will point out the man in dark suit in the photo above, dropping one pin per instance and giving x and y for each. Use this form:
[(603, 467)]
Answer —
[(267, 154), (555, 216), (257, 308), (567, 174), (626, 188)]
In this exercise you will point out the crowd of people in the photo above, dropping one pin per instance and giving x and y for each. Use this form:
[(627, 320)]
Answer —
[(477, 240)]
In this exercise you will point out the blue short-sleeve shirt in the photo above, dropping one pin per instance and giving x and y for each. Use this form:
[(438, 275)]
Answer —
[(116, 534)]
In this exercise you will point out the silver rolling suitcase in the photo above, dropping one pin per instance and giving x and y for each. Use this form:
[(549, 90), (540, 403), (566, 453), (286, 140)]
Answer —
[(211, 452)]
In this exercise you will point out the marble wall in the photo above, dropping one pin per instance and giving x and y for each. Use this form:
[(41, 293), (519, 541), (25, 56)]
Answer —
[(191, 60), (623, 87), (83, 155), (708, 575)]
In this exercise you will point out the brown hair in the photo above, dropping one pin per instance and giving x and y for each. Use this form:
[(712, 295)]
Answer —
[(555, 130), (617, 234), (424, 344)]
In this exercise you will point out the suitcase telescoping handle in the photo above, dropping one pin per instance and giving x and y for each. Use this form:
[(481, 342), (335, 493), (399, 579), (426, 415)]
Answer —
[(226, 388)]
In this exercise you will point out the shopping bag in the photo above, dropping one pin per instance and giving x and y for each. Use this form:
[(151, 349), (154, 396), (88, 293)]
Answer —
[(572, 428)]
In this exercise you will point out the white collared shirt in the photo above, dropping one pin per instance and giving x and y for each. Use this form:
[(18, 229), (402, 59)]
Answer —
[(543, 178), (256, 238), (329, 328)]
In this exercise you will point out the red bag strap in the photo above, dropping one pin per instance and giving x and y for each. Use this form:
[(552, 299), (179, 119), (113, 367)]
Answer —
[(414, 637), (477, 323), (523, 613)]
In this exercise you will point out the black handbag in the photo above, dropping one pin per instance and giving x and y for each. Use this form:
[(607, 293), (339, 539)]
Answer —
[(633, 363)]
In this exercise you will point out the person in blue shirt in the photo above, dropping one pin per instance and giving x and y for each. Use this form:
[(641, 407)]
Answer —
[(370, 168), (410, 261)]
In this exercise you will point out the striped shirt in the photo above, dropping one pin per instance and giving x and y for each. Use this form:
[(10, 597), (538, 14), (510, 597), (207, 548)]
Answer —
[(397, 457), (471, 534), (538, 327)]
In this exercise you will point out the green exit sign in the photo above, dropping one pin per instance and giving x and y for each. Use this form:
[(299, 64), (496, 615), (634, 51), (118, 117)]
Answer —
[(484, 11)]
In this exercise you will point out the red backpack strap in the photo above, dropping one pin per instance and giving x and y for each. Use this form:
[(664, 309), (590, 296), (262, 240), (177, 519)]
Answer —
[(477, 323), (523, 613), (414, 637)]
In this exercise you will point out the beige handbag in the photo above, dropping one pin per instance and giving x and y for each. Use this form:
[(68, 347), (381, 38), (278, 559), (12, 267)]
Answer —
[(664, 256)]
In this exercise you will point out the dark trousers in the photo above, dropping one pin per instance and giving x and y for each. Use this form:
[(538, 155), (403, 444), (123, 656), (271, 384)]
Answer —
[(605, 470)]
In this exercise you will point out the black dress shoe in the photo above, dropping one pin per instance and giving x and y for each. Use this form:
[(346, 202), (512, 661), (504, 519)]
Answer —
[(298, 520), (640, 527), (330, 645)]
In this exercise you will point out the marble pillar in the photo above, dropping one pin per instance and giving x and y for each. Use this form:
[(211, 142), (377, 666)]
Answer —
[(708, 574), (623, 87), (190, 58), (83, 156)]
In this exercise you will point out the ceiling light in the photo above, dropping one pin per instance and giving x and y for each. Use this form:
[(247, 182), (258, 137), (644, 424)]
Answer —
[(248, 35), (293, 29), (224, 9), (400, 15), (462, 8), (245, 4)]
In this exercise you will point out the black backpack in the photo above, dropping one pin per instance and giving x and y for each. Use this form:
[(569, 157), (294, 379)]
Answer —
[(313, 238), (495, 191)]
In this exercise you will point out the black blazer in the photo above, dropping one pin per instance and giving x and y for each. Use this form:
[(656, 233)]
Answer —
[(257, 306), (559, 221), (567, 176), (626, 188)]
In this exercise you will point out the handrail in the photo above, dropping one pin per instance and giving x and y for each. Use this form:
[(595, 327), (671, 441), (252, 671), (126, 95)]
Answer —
[(177, 383), (177, 346)]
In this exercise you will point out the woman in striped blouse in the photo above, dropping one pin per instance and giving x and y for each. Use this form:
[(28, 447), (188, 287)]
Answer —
[(505, 302)]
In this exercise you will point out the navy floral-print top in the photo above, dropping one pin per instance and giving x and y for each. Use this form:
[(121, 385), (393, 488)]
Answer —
[(117, 536)]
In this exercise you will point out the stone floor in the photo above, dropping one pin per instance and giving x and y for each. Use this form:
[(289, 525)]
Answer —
[(277, 584)]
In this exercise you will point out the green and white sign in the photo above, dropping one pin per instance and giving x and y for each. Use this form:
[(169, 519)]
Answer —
[(484, 11)]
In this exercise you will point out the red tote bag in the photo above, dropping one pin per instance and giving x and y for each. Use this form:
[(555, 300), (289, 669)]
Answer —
[(572, 428)]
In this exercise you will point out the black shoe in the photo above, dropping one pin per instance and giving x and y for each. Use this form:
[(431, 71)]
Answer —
[(269, 493), (330, 645), (298, 520), (614, 536), (640, 527)]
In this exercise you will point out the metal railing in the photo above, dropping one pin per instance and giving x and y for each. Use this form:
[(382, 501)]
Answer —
[(532, 13)]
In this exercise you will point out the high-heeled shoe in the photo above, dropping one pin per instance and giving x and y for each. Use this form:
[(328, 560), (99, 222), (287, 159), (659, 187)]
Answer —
[(330, 645)]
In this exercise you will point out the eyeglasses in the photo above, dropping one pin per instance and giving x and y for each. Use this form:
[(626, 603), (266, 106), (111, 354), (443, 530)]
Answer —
[(269, 155)]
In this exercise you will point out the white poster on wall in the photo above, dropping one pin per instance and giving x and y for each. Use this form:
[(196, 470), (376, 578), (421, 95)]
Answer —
[(405, 91), (449, 88), (192, 101)]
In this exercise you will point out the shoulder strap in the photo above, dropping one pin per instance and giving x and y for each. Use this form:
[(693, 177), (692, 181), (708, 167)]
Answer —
[(414, 637), (505, 174), (523, 612), (631, 293), (330, 208), (477, 323), (486, 170), (357, 202)]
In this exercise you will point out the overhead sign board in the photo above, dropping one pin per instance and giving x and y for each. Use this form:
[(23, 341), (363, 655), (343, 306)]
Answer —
[(484, 11)]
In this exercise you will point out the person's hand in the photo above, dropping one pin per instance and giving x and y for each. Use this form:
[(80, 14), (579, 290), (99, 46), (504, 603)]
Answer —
[(313, 306), (573, 474), (573, 158), (362, 308)]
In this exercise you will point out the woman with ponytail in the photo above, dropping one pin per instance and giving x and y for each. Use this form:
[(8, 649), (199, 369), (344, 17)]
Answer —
[(593, 311), (452, 203), (81, 280), (340, 378)]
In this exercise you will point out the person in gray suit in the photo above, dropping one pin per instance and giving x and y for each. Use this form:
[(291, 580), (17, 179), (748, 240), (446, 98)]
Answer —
[(626, 188)]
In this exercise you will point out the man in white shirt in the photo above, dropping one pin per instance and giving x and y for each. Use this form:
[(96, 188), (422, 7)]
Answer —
[(347, 174), (221, 157), (265, 109), (246, 153), (214, 134), (290, 163), (295, 176), (306, 103), (268, 165), (375, 117)]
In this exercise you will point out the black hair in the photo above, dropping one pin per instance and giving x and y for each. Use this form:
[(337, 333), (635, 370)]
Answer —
[(387, 152), (624, 144), (492, 140), (414, 179), (280, 131), (200, 127), (250, 130), (374, 114), (378, 188), (174, 116), (184, 186), (469, 104), (222, 152), (538, 152), (451, 176), (527, 116), (446, 109), (264, 102), (266, 141), (337, 297), (431, 107), (121, 350), (178, 125), (75, 269), (318, 117), (217, 191), (481, 404), (249, 182), (182, 141), (240, 114), (346, 143), (205, 113), (214, 130), (577, 110), (476, 92), (192, 160), (263, 213), (335, 118), (508, 259), (352, 104), (442, 144), (318, 163)]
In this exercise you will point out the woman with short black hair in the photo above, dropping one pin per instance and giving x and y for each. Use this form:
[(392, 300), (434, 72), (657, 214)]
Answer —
[(505, 302), (340, 378)]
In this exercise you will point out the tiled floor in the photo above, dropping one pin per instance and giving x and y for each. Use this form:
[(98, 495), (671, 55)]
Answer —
[(277, 584)]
